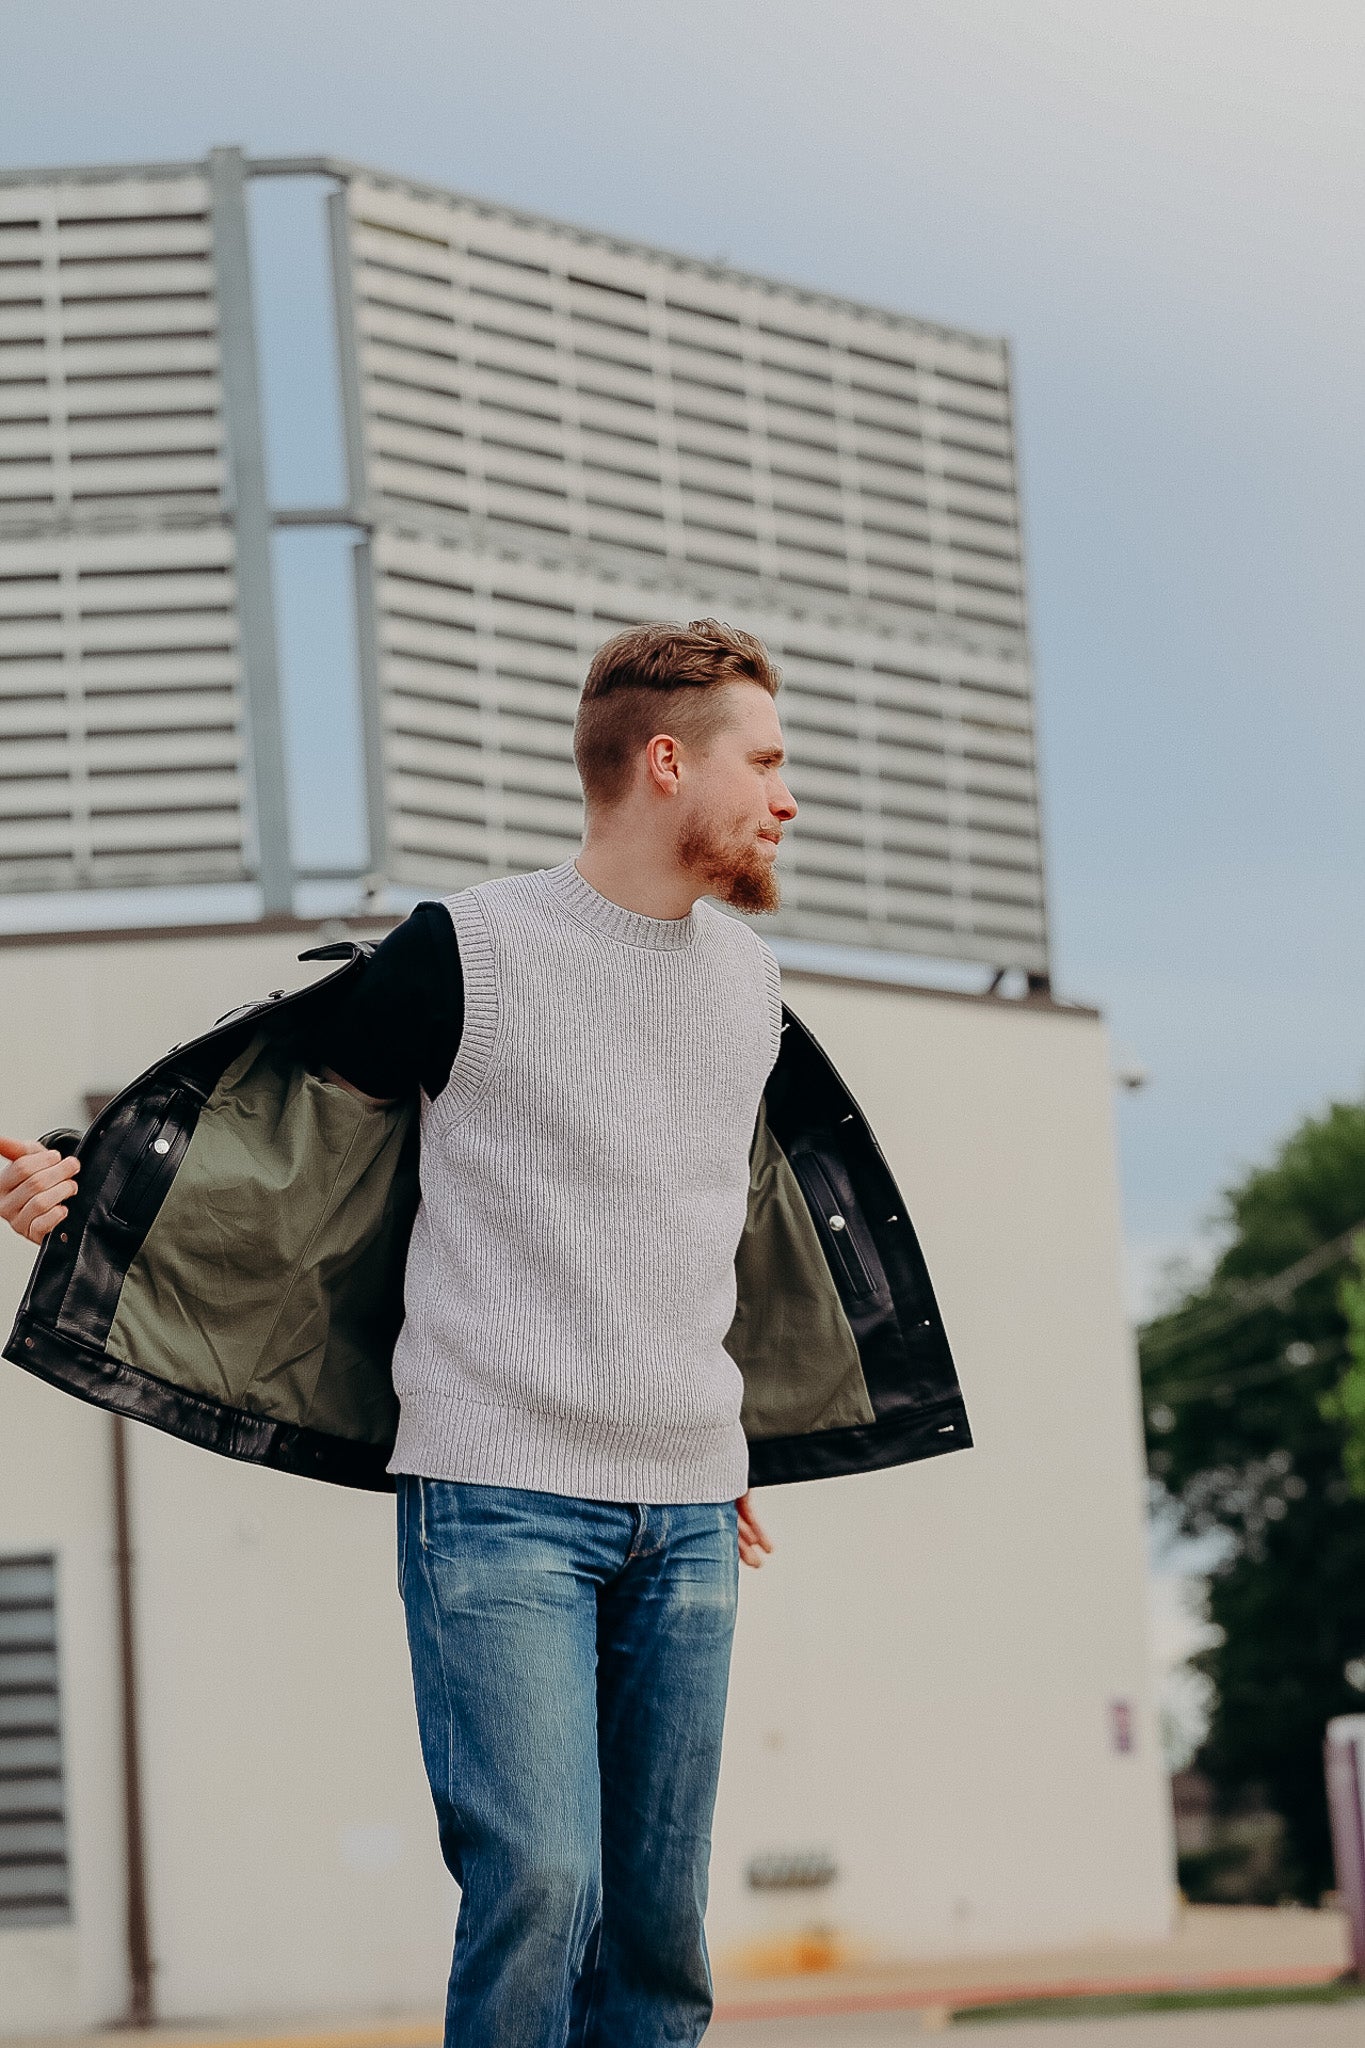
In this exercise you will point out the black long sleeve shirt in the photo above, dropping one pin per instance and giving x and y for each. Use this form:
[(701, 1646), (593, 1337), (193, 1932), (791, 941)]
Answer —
[(399, 1028)]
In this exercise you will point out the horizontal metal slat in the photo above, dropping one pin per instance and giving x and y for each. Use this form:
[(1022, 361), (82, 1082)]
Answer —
[(30, 1795), (40, 1880)]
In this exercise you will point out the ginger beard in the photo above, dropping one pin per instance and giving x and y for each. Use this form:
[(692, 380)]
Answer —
[(732, 864)]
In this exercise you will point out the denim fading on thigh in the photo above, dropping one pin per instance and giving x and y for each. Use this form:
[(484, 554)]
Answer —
[(471, 1529), (692, 1552)]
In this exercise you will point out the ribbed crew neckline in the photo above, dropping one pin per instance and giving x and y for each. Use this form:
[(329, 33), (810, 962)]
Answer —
[(575, 894)]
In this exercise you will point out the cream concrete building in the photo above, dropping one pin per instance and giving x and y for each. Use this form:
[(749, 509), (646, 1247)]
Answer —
[(942, 1736)]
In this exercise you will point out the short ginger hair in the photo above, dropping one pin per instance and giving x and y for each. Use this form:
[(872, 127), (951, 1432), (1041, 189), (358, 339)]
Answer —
[(659, 678)]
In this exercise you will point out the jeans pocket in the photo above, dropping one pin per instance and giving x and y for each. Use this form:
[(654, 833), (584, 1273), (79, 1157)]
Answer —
[(443, 1522)]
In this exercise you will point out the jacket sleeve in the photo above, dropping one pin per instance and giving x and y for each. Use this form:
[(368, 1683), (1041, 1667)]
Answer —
[(399, 1028)]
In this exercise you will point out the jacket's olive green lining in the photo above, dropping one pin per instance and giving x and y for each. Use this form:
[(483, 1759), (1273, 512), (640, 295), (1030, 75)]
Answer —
[(790, 1337), (264, 1279), (272, 1276)]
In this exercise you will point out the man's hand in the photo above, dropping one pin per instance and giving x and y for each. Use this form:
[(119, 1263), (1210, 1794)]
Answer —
[(35, 1185), (753, 1540)]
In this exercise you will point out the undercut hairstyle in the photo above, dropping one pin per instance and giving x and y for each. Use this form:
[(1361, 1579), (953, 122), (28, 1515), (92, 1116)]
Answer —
[(659, 678)]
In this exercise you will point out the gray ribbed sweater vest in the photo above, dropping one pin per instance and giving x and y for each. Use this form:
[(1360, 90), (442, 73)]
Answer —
[(584, 1183)]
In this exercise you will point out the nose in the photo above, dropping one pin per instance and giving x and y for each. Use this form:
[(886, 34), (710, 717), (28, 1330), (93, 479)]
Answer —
[(783, 806)]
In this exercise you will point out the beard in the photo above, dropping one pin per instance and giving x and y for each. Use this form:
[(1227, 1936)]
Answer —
[(731, 866)]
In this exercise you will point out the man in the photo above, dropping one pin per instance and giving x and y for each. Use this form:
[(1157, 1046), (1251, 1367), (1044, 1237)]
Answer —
[(591, 1043)]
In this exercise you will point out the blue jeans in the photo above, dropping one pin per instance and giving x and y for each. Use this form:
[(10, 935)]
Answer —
[(570, 1661)]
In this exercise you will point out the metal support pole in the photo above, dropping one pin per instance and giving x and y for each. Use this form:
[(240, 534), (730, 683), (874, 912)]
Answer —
[(362, 558), (371, 718), (251, 522), (141, 2005), (348, 355)]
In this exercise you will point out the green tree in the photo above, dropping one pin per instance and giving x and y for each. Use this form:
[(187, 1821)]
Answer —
[(1346, 1404), (1254, 1387)]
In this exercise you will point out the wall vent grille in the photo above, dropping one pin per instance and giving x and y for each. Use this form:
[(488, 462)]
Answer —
[(34, 1873)]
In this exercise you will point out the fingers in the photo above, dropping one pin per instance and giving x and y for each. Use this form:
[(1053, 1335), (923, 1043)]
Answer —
[(14, 1148), (43, 1172), (754, 1541), (38, 1230), (35, 1186), (26, 1159), (750, 1523), (44, 1212)]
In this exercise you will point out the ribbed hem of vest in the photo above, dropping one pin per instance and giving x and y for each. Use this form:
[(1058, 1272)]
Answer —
[(444, 1438), (574, 893)]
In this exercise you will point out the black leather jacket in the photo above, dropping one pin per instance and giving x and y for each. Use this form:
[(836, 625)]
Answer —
[(231, 1267)]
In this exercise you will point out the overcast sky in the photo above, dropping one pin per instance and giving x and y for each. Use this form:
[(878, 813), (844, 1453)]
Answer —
[(1160, 203)]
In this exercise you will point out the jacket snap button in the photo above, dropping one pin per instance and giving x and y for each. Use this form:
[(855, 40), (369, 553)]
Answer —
[(161, 1144), (836, 1223)]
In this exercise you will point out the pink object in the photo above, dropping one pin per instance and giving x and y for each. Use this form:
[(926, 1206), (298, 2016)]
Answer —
[(1345, 1757)]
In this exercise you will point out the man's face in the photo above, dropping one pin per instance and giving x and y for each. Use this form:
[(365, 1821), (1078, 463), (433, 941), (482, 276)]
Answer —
[(736, 803)]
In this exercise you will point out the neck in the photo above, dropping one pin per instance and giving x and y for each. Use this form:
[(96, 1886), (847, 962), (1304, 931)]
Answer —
[(637, 876)]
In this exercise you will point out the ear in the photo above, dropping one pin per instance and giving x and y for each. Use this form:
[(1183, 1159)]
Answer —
[(663, 763)]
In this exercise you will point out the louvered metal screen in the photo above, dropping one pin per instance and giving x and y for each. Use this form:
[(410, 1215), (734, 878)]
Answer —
[(120, 712), (554, 434), (917, 830), (549, 433), (120, 718), (34, 1879)]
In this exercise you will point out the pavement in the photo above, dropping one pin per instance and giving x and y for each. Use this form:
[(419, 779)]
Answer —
[(881, 2004), (1209, 1948), (1285, 2026), (1280, 2026)]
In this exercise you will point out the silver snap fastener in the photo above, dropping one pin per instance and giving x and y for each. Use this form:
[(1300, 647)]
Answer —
[(836, 1223), (161, 1144)]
